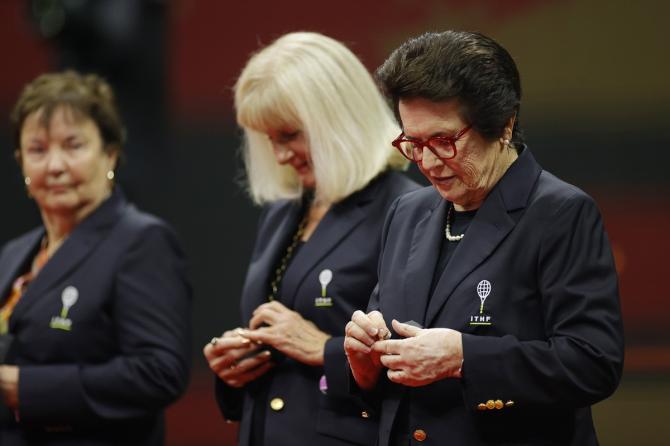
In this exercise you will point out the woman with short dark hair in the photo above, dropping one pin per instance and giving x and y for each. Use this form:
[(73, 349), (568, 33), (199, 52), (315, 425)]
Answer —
[(498, 282)]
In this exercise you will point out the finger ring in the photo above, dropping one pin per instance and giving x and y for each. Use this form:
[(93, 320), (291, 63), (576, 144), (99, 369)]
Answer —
[(214, 341)]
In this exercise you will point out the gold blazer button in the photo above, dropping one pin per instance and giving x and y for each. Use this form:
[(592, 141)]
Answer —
[(481, 406), (277, 404), (420, 435), (365, 414), (499, 404), (510, 403), (490, 404)]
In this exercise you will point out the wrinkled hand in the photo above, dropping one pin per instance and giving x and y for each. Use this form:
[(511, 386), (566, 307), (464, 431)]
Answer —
[(360, 334), (423, 357), (286, 330), (225, 357), (9, 385)]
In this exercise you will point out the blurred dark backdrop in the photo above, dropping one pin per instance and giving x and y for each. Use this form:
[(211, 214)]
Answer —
[(595, 109)]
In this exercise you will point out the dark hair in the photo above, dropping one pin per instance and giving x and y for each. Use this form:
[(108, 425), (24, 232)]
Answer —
[(466, 66), (88, 96)]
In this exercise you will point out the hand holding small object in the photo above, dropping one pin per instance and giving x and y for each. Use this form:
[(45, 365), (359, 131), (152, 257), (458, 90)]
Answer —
[(235, 359), (423, 356)]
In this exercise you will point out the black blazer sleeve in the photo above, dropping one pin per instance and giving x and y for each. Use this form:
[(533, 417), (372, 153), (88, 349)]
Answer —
[(336, 366), (581, 360), (372, 397), (151, 310), (230, 399)]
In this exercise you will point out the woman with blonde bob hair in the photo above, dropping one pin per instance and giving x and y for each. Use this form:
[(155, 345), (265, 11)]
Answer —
[(309, 81), (316, 132)]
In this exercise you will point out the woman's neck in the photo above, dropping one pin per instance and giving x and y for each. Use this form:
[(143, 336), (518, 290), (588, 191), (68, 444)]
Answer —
[(58, 227), (315, 214), (503, 162)]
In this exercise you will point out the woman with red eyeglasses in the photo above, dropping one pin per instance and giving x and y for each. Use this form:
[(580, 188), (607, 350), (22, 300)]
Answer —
[(497, 285)]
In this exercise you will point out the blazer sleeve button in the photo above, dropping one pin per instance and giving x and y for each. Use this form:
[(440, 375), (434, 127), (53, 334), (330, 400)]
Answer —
[(490, 404), (510, 403), (481, 406), (420, 435), (499, 404)]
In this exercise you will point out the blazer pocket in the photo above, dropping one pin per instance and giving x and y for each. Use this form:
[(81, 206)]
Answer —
[(354, 428)]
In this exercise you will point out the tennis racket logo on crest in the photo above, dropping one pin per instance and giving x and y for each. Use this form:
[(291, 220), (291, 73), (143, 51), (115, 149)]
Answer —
[(483, 290), (69, 297), (325, 277)]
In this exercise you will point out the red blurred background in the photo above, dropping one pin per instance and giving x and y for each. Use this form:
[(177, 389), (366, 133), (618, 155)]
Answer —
[(595, 109)]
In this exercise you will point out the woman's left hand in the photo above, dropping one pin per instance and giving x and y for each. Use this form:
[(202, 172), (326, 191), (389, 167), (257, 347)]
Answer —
[(9, 385), (425, 355), (288, 332)]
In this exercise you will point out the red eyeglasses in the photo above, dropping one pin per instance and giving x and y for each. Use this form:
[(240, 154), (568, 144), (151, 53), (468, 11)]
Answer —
[(443, 147)]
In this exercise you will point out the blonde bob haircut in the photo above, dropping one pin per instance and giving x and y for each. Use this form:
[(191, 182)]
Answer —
[(309, 82)]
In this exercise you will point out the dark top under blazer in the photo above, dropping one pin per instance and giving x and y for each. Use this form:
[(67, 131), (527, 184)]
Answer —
[(555, 343), (107, 381), (346, 241)]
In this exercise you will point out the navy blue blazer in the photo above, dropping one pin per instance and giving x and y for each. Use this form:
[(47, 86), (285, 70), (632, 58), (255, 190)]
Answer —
[(103, 372), (346, 241), (533, 288)]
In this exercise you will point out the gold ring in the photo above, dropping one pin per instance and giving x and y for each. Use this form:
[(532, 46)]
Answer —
[(214, 341)]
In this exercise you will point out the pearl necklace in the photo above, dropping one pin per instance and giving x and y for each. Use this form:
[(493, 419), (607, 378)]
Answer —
[(447, 232)]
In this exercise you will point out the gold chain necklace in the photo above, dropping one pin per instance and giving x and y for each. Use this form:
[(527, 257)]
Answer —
[(283, 264)]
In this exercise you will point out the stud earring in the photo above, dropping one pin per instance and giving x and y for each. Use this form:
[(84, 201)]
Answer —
[(110, 175), (27, 181)]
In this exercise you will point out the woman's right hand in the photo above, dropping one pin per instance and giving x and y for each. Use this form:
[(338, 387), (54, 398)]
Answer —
[(360, 334), (231, 357)]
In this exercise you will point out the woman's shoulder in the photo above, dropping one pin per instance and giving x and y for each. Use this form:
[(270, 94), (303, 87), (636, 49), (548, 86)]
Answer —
[(554, 197), (398, 182), (385, 188), (120, 215), (138, 219), (554, 191), (144, 233), (410, 207), (29, 238), (136, 224), (422, 197), (278, 209)]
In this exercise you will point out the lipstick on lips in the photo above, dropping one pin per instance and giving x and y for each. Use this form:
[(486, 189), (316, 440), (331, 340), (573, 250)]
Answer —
[(443, 179)]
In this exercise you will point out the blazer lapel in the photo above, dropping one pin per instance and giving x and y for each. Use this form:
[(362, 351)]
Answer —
[(16, 260), (421, 261), (489, 227), (487, 230), (73, 251), (338, 222), (262, 269)]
